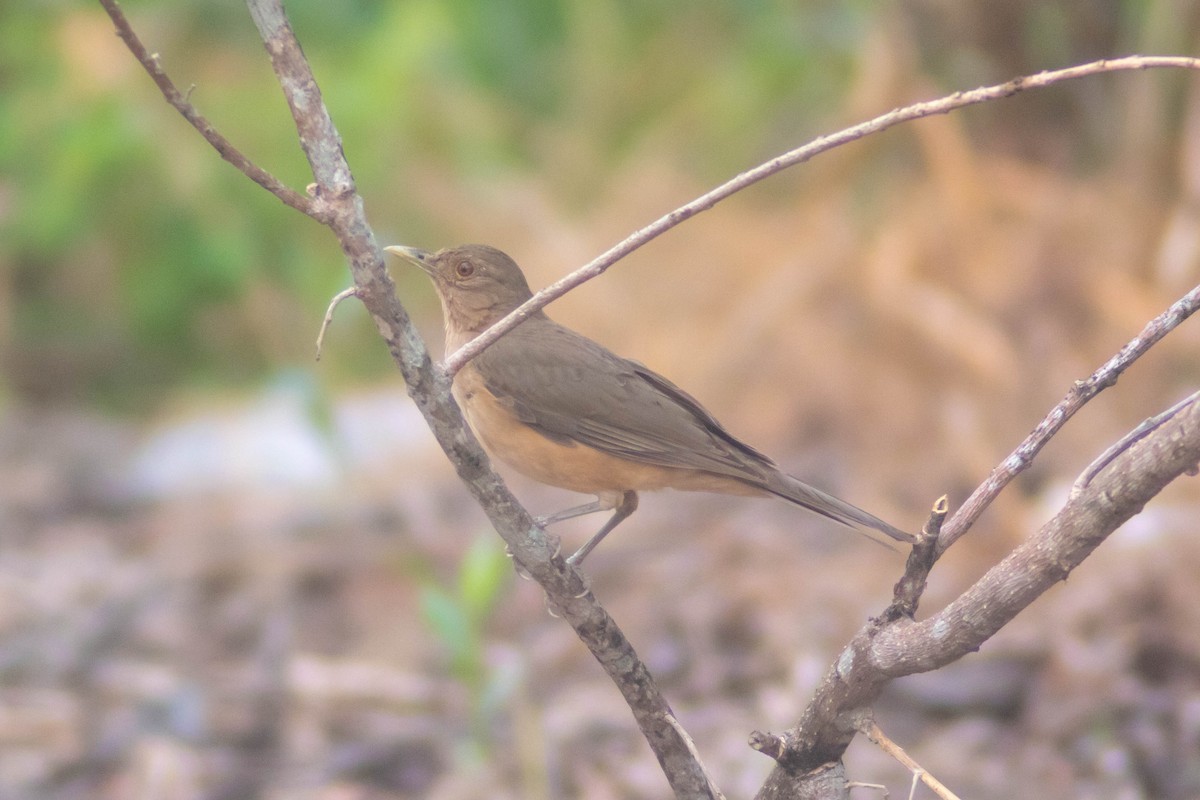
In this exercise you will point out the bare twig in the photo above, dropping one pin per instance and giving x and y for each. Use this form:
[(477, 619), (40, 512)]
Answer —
[(455, 361), (333, 304), (1083, 391), (876, 735), (180, 102), (1138, 433)]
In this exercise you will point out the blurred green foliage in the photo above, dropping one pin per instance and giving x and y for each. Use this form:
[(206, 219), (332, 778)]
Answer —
[(132, 260), (458, 617)]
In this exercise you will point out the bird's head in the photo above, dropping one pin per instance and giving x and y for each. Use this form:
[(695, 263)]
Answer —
[(477, 284)]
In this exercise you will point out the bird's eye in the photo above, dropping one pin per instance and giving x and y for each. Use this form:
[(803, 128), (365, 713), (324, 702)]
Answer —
[(464, 269)]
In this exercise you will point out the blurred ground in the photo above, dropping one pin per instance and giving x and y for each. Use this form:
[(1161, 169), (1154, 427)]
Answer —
[(282, 591), (275, 640)]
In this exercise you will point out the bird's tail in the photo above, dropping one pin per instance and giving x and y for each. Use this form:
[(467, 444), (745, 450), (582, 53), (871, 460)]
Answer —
[(800, 493)]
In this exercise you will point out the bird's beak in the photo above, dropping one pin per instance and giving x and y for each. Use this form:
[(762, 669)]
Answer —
[(413, 255)]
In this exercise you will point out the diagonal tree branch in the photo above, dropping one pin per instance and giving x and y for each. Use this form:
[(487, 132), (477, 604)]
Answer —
[(534, 551), (597, 266), (336, 203), (223, 146), (1083, 391)]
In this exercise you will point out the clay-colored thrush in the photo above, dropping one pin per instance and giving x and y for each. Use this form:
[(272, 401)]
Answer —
[(558, 407)]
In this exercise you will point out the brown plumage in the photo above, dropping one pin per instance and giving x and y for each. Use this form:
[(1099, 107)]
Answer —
[(564, 410)]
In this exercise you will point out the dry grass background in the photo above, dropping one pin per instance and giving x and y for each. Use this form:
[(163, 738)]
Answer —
[(888, 321)]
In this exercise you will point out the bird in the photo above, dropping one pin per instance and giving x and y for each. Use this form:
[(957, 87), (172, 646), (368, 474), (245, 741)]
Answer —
[(564, 410)]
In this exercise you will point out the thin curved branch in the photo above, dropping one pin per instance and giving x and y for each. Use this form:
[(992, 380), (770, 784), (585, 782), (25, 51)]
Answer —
[(328, 320), (1083, 391), (455, 361), (223, 146)]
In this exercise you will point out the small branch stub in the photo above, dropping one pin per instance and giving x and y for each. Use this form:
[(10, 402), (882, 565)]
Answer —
[(333, 304), (906, 594), (770, 744)]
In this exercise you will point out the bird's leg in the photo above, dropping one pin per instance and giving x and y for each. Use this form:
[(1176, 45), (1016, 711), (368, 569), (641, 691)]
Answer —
[(574, 511), (627, 505)]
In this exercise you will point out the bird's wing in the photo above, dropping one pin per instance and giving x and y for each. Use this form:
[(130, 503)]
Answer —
[(570, 388)]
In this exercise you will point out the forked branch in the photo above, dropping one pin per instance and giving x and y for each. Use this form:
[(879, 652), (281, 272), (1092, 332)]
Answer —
[(886, 649)]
